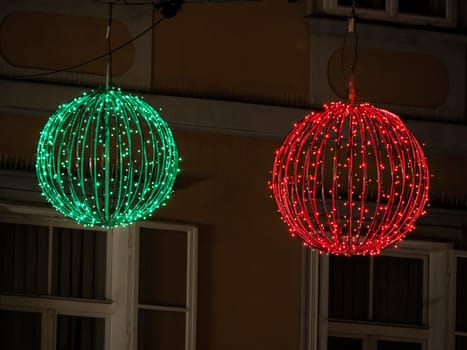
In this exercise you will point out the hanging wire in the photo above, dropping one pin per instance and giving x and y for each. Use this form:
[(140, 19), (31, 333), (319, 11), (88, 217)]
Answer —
[(92, 60), (350, 80), (108, 80)]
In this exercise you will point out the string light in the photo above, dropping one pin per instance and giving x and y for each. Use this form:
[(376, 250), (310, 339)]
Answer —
[(350, 180), (106, 158)]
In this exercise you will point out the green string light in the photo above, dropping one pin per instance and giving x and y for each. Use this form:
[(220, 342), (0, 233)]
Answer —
[(106, 158)]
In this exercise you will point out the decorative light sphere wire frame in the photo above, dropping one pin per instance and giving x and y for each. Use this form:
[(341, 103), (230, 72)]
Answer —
[(350, 180), (106, 158)]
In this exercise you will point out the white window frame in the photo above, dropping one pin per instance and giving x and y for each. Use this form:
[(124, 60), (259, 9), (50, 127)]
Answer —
[(453, 297), (51, 306), (121, 287), (191, 281), (437, 297), (391, 13)]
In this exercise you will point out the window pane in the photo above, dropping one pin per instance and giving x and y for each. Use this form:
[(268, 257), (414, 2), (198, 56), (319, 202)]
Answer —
[(398, 290), (23, 258), (338, 343), (20, 330), (162, 267), (369, 4), (399, 345), (80, 333), (161, 330), (461, 292), (435, 8), (461, 343), (79, 262), (348, 287)]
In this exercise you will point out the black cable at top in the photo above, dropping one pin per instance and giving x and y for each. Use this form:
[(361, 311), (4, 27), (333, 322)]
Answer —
[(350, 81), (108, 80), (111, 51)]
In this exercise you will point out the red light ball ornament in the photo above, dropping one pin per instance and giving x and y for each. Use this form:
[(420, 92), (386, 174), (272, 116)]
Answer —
[(351, 180)]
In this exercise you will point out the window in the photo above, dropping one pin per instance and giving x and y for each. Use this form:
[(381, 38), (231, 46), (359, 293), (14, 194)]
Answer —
[(386, 289), (165, 295), (53, 286), (344, 343), (20, 330), (86, 333), (419, 12), (460, 324), (396, 300), (66, 287), (378, 290), (53, 261)]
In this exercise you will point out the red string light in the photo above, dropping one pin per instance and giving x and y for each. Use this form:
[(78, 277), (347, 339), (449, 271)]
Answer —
[(350, 180)]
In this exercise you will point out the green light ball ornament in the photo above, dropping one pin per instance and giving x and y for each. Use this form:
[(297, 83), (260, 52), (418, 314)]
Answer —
[(106, 158)]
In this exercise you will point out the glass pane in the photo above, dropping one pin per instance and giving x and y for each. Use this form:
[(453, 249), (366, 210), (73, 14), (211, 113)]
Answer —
[(23, 258), (461, 292), (161, 330), (20, 330), (461, 343), (338, 343), (398, 290), (162, 267), (435, 8), (80, 333), (368, 4), (79, 262), (348, 287), (399, 345)]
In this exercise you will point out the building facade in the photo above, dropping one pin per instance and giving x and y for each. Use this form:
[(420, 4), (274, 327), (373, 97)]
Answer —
[(216, 268)]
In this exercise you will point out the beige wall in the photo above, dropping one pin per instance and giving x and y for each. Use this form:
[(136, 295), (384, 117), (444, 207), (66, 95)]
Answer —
[(254, 51), (53, 41), (391, 77), (249, 268)]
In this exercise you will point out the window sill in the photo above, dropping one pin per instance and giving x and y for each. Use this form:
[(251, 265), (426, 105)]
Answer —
[(68, 305), (375, 324)]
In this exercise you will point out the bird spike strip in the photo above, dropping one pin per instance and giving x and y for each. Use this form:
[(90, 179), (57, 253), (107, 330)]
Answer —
[(106, 158), (351, 180)]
